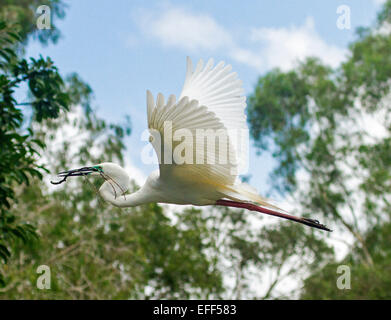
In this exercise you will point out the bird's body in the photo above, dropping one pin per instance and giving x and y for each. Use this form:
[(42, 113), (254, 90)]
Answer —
[(211, 105), (161, 190)]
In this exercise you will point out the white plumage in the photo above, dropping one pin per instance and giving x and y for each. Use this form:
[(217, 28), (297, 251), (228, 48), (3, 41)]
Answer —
[(211, 102), (211, 99)]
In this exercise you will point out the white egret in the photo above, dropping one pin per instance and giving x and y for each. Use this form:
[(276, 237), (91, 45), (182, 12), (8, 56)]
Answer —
[(211, 99)]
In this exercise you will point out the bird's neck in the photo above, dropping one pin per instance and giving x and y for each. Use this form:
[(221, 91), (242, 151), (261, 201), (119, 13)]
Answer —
[(122, 200)]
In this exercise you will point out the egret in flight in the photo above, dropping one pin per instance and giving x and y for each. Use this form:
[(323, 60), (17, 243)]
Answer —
[(211, 100)]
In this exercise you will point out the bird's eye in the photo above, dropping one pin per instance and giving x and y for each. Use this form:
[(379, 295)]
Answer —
[(99, 168)]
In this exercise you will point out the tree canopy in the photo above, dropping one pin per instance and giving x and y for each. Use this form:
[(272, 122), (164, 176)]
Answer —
[(329, 130), (19, 147)]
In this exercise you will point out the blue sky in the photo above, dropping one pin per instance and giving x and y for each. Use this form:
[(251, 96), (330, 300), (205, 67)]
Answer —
[(122, 48)]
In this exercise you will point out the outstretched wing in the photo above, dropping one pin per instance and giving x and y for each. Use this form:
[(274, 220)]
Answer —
[(220, 90), (210, 103), (174, 127)]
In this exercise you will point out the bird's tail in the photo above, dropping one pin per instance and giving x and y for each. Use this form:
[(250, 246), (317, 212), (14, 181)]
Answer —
[(244, 196), (243, 192)]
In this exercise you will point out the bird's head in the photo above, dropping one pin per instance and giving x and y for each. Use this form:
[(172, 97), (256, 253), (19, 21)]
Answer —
[(111, 172)]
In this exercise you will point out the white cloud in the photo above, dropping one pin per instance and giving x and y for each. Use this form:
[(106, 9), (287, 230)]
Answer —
[(179, 28), (249, 57), (282, 47), (266, 47)]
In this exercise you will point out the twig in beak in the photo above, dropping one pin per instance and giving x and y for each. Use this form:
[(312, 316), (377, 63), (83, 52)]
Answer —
[(117, 184), (104, 177), (74, 173), (59, 182), (95, 189)]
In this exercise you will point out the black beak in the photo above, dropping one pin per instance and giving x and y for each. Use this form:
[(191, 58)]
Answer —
[(74, 173)]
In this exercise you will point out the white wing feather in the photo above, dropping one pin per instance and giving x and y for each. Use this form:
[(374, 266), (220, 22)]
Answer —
[(211, 98), (191, 116), (221, 92)]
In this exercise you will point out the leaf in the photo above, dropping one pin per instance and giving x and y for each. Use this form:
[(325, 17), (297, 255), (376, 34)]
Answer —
[(4, 253)]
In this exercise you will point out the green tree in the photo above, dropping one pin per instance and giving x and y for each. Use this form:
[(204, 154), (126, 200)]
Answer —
[(330, 132), (19, 147), (21, 16), (97, 251), (74, 227), (94, 250), (365, 283)]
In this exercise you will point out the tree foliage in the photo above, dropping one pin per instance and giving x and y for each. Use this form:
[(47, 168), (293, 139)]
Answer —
[(314, 119), (365, 283), (19, 147), (21, 16), (329, 130)]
